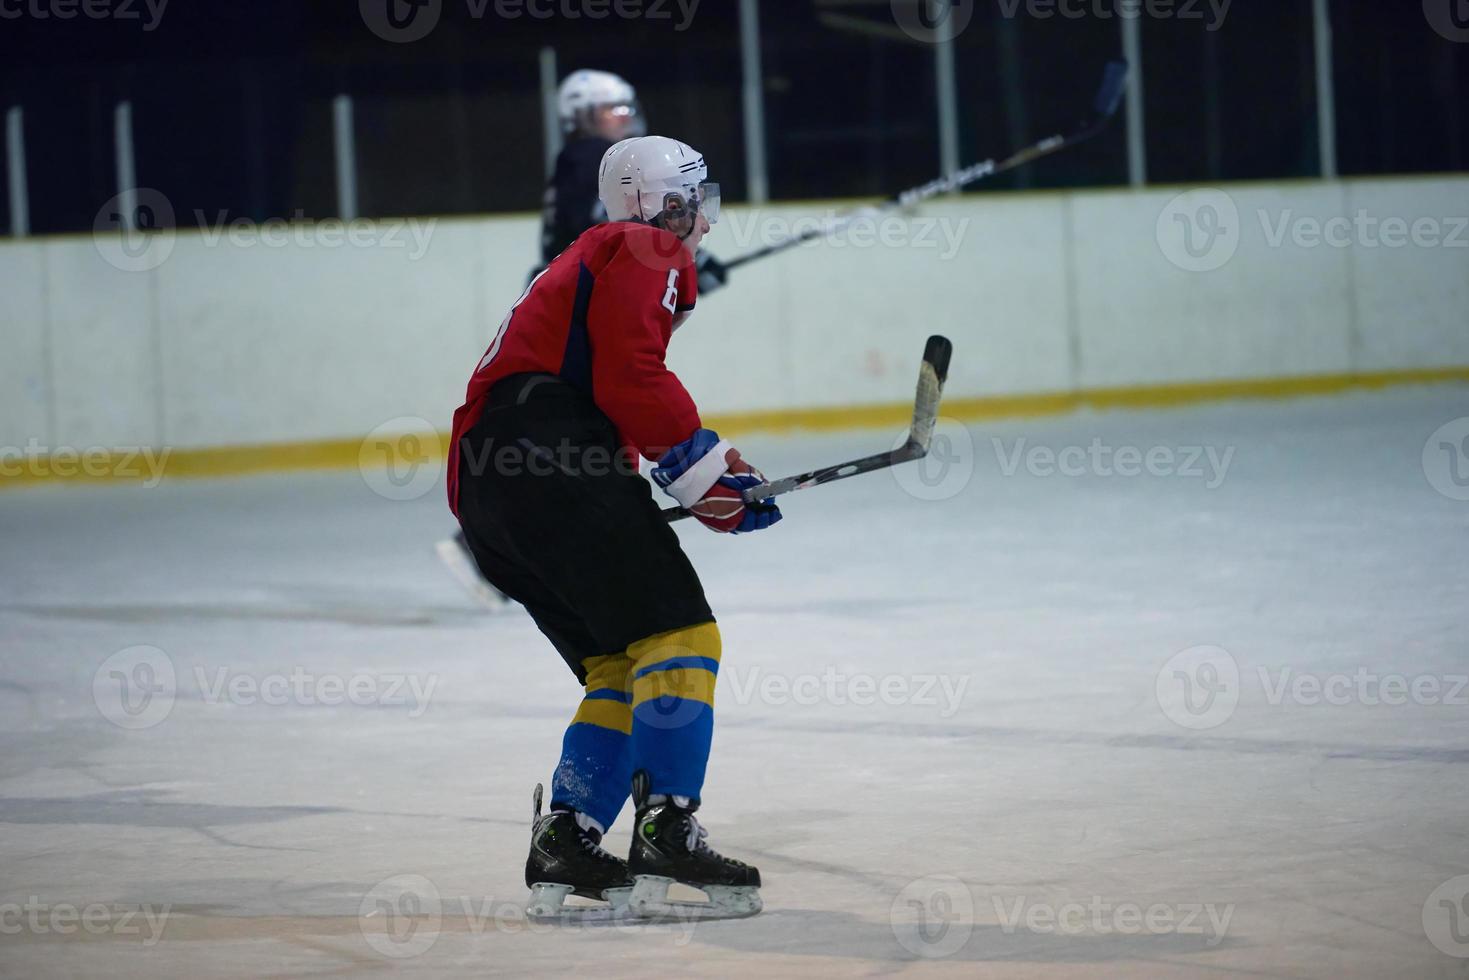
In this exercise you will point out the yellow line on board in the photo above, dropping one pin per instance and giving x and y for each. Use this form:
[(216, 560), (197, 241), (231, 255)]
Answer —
[(99, 466)]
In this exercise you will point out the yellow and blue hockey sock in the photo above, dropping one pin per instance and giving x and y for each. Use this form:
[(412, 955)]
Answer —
[(673, 681), (595, 770)]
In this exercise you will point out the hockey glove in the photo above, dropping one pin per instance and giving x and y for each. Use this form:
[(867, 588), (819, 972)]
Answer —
[(707, 477), (712, 273)]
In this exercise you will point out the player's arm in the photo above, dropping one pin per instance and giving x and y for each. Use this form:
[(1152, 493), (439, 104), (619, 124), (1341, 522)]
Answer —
[(630, 323)]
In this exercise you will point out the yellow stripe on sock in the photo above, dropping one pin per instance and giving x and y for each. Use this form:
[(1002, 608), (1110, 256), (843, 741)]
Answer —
[(609, 673), (688, 683), (692, 641), (605, 714)]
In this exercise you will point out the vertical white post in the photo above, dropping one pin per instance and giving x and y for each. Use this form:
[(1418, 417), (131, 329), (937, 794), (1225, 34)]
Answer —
[(754, 100), (346, 150), (550, 117), (1137, 146), (127, 176), (948, 100), (15, 166), (1325, 90)]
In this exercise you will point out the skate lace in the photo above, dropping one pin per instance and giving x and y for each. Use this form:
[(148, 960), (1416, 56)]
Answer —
[(595, 849), (698, 837)]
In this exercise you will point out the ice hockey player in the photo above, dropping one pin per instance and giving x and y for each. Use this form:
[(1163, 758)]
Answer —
[(543, 479), (597, 109)]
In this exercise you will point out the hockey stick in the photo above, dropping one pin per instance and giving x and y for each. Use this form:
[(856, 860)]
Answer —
[(931, 376), (1104, 107)]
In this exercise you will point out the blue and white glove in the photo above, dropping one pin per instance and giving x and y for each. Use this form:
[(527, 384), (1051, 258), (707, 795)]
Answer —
[(706, 475)]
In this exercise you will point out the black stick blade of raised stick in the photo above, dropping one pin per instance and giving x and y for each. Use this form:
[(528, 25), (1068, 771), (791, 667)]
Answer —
[(1114, 83)]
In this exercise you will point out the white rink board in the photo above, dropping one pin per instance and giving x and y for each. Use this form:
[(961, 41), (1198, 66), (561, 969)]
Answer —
[(1267, 312), (25, 379), (1413, 302), (226, 344)]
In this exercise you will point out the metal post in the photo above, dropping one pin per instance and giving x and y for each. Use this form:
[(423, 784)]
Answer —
[(948, 102), (15, 163), (1137, 146), (1325, 90), (346, 150), (550, 115), (127, 177), (754, 98)]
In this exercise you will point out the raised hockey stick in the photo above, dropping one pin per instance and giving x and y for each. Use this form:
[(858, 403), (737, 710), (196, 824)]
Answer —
[(931, 376), (1104, 107)]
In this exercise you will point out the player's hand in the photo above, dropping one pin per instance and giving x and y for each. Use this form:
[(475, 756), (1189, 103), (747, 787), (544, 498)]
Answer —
[(713, 274), (706, 475)]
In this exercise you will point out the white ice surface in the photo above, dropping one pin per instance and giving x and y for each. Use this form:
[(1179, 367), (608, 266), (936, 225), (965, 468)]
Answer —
[(1321, 830)]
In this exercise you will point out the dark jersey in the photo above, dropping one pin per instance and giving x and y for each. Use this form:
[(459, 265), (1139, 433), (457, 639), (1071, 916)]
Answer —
[(600, 318), (571, 202)]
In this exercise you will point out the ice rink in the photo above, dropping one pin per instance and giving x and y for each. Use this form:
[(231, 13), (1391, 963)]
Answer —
[(1206, 719)]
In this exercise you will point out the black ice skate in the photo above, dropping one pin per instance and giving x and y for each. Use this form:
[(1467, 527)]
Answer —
[(668, 845), (567, 859)]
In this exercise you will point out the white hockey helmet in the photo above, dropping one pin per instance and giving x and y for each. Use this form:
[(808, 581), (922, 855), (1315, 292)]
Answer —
[(586, 89), (656, 180)]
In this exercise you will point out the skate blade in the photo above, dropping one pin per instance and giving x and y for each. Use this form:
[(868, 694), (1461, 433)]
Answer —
[(462, 567), (650, 900), (548, 904)]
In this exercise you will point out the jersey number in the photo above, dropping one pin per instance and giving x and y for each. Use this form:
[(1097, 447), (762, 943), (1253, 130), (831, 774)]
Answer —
[(670, 295), (505, 324)]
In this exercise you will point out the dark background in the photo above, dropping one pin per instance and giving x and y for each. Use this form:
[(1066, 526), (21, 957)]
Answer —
[(232, 100)]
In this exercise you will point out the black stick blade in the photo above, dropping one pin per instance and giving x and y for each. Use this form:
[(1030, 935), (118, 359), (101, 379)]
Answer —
[(937, 352), (1114, 83)]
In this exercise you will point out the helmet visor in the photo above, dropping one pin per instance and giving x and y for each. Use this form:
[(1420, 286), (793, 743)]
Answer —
[(707, 203), (629, 115)]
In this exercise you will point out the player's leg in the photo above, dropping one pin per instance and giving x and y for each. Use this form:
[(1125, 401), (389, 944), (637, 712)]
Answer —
[(594, 536)]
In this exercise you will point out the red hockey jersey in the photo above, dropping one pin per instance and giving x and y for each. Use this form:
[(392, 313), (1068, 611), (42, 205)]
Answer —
[(599, 317)]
